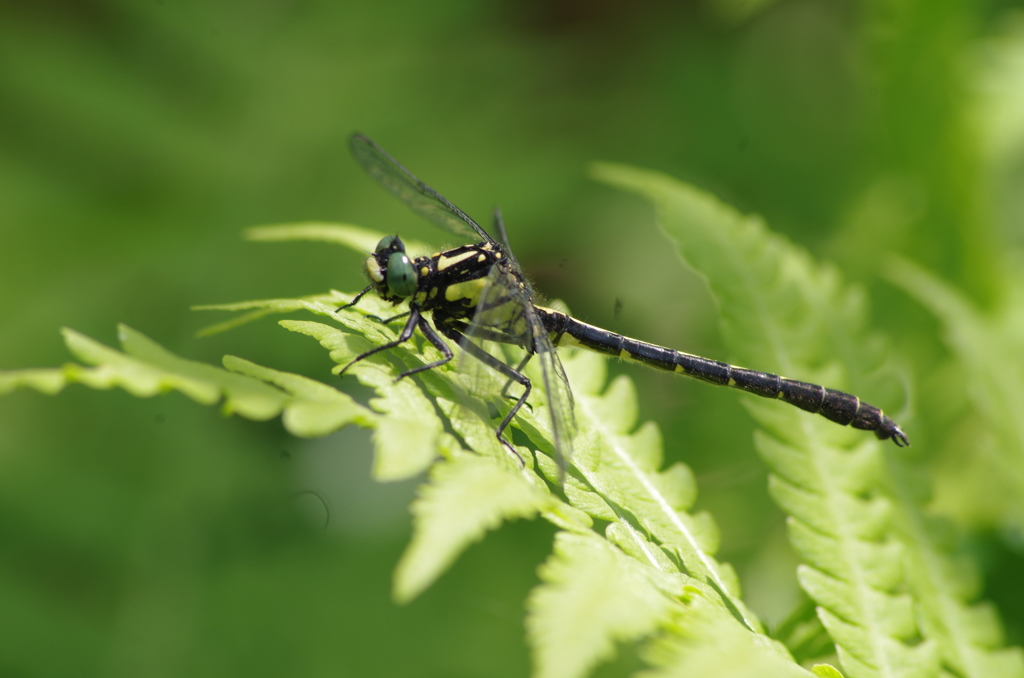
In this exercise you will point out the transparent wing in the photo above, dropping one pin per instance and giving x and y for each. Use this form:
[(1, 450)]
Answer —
[(505, 315), (423, 200), (561, 406)]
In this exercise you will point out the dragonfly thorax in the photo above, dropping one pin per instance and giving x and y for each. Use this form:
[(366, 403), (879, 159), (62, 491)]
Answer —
[(447, 283)]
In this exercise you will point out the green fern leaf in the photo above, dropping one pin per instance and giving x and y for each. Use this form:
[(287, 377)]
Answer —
[(598, 589), (49, 381), (702, 641), (322, 304), (989, 345), (947, 584), (314, 409), (465, 497), (616, 478), (354, 237), (407, 437), (362, 240), (621, 466), (145, 369), (593, 595), (831, 480)]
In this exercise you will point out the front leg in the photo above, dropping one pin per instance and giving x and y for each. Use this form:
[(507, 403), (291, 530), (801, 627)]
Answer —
[(414, 319), (438, 343), (355, 299), (388, 321)]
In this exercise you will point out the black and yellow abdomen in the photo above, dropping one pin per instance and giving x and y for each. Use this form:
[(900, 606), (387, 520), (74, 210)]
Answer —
[(837, 406)]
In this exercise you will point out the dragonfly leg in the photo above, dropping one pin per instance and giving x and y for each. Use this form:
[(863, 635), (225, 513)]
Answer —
[(355, 300), (438, 343), (505, 338), (358, 297), (503, 369), (489, 334), (388, 321), (410, 326), (518, 368)]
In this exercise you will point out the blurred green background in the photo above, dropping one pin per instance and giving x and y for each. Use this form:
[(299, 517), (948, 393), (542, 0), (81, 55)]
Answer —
[(137, 140)]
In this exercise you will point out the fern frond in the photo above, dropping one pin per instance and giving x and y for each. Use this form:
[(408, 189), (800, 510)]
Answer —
[(360, 239), (616, 478), (593, 595), (406, 439), (946, 585), (832, 481), (629, 558), (989, 345), (314, 409), (355, 237), (702, 641), (317, 303), (308, 408), (620, 464), (466, 496)]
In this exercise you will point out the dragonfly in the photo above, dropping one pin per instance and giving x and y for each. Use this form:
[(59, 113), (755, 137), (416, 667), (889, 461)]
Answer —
[(477, 293)]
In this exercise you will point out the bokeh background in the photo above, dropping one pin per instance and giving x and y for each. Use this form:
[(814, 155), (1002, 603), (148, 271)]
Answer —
[(137, 140)]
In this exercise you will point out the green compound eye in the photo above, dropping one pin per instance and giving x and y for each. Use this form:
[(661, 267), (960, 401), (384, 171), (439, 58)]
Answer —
[(387, 241), (401, 274)]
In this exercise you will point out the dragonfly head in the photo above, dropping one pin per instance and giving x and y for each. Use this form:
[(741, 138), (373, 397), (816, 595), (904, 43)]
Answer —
[(391, 270)]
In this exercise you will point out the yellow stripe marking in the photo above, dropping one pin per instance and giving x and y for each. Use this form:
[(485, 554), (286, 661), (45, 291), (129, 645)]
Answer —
[(445, 262), (469, 290)]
